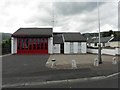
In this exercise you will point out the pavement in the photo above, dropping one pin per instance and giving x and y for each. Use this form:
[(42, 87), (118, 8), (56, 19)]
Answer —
[(82, 61), (21, 70)]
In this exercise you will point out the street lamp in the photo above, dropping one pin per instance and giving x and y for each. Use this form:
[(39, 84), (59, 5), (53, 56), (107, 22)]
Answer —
[(99, 44)]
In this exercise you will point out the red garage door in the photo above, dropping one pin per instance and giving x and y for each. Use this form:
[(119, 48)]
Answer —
[(32, 45)]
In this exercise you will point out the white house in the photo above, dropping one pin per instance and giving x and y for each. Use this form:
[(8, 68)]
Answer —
[(115, 42), (103, 40), (44, 41)]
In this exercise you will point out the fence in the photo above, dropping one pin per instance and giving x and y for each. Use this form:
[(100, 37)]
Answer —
[(115, 51)]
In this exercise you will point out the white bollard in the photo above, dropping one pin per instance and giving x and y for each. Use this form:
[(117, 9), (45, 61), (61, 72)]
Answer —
[(114, 61), (74, 65), (96, 63), (53, 63)]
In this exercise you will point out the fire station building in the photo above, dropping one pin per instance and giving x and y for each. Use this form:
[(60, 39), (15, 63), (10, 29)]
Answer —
[(44, 41)]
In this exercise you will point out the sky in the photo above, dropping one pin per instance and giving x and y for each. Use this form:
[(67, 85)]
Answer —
[(63, 16)]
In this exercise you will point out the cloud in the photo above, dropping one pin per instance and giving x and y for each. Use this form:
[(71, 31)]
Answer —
[(68, 16), (87, 19), (71, 8)]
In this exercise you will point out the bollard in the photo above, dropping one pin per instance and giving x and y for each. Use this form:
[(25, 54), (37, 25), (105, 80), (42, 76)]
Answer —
[(96, 62), (74, 65), (53, 63), (114, 61)]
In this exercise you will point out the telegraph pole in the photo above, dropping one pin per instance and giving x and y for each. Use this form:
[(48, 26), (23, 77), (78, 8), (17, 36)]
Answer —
[(99, 45)]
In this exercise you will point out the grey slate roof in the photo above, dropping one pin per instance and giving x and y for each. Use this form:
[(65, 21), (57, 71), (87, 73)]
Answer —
[(57, 39), (115, 39), (102, 40), (90, 40), (74, 37), (33, 32)]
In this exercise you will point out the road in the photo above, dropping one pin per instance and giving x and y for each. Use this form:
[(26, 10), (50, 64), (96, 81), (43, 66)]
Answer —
[(111, 82), (31, 68)]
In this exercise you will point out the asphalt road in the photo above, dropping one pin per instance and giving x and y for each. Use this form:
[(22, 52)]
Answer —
[(111, 82), (31, 68)]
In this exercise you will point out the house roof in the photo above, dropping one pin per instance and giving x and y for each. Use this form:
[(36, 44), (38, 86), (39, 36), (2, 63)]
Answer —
[(33, 32), (90, 40), (74, 37), (115, 39), (102, 39), (57, 39)]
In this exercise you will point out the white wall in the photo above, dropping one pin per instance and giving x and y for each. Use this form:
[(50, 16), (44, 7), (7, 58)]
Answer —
[(92, 51), (75, 49), (66, 47), (105, 51), (56, 48), (50, 45), (108, 51), (13, 45), (114, 44), (117, 51), (83, 47), (93, 44)]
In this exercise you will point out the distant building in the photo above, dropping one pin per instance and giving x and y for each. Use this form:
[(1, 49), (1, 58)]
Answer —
[(115, 42), (103, 40), (44, 41)]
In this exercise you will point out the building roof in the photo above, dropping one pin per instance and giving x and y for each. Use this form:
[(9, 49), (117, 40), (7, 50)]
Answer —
[(90, 40), (33, 32), (57, 39), (115, 39), (102, 39), (74, 37)]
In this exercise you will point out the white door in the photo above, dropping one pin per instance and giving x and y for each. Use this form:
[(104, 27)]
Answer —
[(79, 47), (71, 47)]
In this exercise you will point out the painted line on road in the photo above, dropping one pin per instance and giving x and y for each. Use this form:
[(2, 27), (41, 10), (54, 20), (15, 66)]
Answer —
[(51, 82), (113, 75), (58, 81)]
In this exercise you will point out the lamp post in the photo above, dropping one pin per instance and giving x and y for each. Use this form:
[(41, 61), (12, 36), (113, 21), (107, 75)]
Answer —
[(99, 45)]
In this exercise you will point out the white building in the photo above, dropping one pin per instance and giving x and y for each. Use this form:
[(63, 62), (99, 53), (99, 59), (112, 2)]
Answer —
[(115, 42), (44, 41), (105, 41)]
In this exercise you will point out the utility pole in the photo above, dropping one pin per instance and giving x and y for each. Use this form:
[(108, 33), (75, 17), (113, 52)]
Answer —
[(53, 17), (99, 45)]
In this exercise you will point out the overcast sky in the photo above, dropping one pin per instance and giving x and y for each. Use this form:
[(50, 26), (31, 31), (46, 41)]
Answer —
[(68, 16)]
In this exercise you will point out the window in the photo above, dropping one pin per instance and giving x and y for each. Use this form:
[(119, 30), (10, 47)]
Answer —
[(95, 44), (103, 44)]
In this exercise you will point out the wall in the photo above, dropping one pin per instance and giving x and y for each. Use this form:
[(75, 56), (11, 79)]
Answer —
[(66, 47), (50, 45), (83, 47), (117, 51), (108, 51), (105, 51), (56, 48), (114, 44), (13, 45), (93, 45), (75, 49)]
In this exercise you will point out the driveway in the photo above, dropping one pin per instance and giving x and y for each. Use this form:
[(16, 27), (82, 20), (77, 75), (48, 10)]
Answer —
[(23, 65)]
